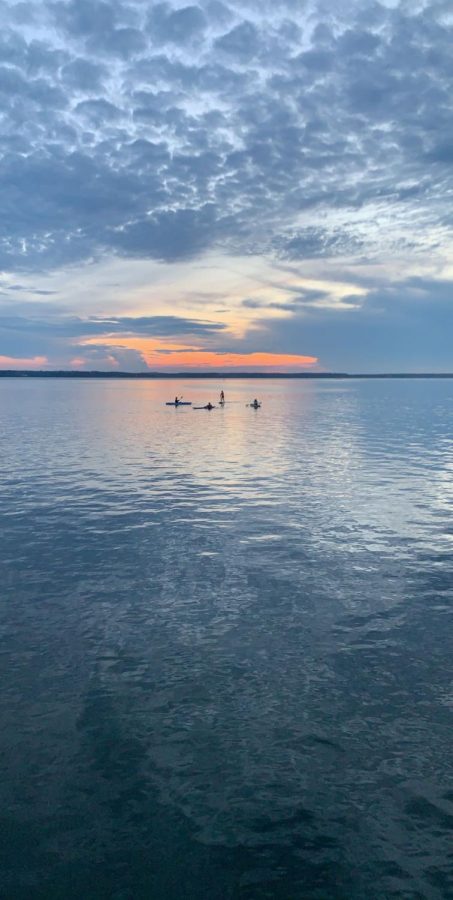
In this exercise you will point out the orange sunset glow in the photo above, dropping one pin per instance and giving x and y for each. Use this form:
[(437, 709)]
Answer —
[(14, 362), (209, 360), (157, 355)]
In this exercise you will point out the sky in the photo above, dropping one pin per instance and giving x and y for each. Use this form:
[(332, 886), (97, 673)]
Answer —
[(229, 184)]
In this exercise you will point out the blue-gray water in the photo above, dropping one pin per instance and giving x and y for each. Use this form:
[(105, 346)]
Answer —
[(225, 651)]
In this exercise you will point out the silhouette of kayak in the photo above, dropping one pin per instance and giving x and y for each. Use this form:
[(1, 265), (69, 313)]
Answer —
[(179, 403), (254, 405), (204, 407)]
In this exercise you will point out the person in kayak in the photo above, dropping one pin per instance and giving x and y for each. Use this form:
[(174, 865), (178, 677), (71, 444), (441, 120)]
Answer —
[(255, 403), (209, 406), (177, 400)]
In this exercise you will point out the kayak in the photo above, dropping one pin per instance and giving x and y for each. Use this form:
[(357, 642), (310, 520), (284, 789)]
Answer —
[(254, 405), (179, 403), (204, 407)]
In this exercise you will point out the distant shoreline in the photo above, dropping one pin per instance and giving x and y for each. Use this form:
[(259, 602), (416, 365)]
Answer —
[(30, 373)]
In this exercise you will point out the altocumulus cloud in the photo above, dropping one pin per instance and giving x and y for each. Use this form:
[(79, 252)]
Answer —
[(161, 131), (289, 131)]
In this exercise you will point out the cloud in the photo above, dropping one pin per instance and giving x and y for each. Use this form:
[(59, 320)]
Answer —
[(241, 43), (39, 327), (178, 26), (7, 287), (396, 327), (85, 17), (75, 326), (15, 362), (83, 75), (309, 243), (315, 134), (169, 236), (201, 359), (111, 358), (268, 119), (98, 110), (298, 299)]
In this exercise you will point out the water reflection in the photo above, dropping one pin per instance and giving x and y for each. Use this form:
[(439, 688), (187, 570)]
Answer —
[(225, 654)]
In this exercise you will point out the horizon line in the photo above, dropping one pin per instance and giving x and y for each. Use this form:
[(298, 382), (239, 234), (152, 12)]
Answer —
[(97, 373)]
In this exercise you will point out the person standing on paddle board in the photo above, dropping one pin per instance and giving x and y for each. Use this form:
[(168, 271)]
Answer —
[(222, 397)]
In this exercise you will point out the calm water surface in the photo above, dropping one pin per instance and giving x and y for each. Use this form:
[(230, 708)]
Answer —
[(225, 641)]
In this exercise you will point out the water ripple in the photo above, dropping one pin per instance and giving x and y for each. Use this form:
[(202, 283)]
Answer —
[(225, 647)]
